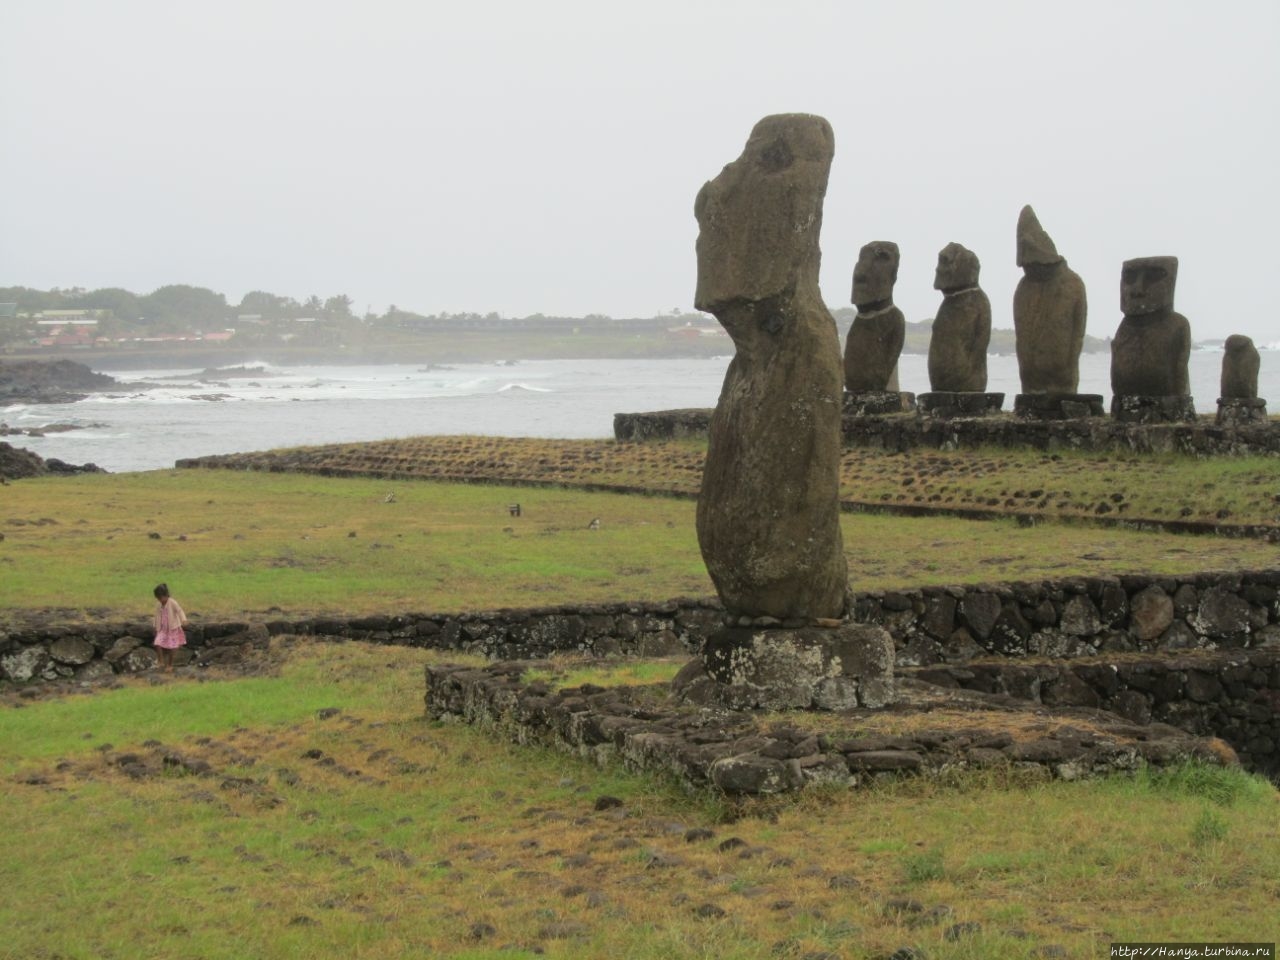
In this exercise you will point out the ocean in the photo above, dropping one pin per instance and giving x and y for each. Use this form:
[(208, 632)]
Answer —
[(185, 414)]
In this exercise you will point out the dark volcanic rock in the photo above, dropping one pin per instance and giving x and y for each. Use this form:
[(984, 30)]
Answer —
[(16, 464), (962, 327), (768, 516), (1049, 313), (49, 381)]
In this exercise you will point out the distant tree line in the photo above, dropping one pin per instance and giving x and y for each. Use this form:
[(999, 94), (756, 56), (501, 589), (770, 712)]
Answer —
[(177, 306)]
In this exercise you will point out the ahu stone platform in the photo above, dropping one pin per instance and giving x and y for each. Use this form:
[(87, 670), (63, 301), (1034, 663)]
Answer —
[(906, 431), (928, 731)]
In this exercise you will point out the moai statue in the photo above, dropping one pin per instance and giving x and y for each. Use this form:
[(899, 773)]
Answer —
[(958, 344), (1049, 312), (875, 339), (1238, 400), (768, 515), (1149, 353)]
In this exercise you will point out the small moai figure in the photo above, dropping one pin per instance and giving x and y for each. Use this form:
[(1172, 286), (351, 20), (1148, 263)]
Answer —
[(768, 517), (1149, 353), (958, 343), (876, 336), (1049, 314), (1238, 400)]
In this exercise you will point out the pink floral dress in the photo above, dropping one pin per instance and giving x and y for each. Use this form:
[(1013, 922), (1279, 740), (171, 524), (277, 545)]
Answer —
[(169, 634)]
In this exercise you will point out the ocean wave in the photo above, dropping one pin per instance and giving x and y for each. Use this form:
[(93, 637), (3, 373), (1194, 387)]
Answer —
[(525, 387)]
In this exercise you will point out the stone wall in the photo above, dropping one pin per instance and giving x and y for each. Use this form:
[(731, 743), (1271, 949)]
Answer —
[(1079, 616), (1073, 617), (1103, 434), (908, 431), (1232, 694), (56, 651)]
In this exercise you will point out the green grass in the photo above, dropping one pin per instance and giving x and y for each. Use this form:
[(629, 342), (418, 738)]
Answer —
[(402, 837), (235, 544)]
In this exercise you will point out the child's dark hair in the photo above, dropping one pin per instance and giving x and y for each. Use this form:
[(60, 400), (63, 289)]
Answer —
[(161, 591)]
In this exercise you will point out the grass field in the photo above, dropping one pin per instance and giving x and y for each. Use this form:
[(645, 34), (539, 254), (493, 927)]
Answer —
[(306, 808), (375, 834), (1069, 484), (235, 544)]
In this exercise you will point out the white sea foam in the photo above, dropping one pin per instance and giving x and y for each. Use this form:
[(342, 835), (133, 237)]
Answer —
[(553, 398)]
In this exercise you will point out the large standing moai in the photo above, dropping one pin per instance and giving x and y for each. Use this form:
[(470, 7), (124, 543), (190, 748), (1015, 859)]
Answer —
[(1149, 354), (768, 514), (958, 343), (1049, 314), (876, 336), (1238, 400)]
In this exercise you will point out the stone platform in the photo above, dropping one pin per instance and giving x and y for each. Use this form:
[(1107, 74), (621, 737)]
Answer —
[(947, 405), (878, 401), (1129, 408), (1233, 411), (1058, 406), (774, 668), (927, 731)]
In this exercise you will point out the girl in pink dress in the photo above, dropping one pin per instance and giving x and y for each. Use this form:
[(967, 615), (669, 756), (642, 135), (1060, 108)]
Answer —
[(169, 621)]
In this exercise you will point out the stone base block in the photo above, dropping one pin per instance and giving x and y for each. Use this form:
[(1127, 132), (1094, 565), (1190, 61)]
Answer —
[(946, 405), (1058, 406), (1133, 408), (876, 402), (1237, 411), (808, 668)]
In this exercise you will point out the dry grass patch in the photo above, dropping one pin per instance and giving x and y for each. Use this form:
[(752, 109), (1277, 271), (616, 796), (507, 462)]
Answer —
[(1074, 484), (369, 832)]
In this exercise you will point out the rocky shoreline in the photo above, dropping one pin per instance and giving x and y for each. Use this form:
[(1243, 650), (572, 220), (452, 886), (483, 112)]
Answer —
[(51, 381), (19, 464)]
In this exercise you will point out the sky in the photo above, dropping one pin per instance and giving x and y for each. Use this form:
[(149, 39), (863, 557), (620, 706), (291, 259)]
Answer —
[(543, 157)]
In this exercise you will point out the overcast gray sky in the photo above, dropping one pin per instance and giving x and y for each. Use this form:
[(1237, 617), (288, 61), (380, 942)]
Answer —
[(544, 156)]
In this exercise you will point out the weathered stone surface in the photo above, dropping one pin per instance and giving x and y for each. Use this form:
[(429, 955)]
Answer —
[(25, 664), (1153, 343), (1135, 408), (878, 331), (1049, 313), (751, 774), (1221, 614), (962, 327), (978, 612), (768, 514), (1241, 411), (779, 669), (876, 402), (1150, 613), (72, 651), (1080, 618), (660, 425), (1240, 364), (948, 405), (1058, 406)]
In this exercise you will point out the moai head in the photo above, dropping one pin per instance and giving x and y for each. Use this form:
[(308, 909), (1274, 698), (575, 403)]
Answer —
[(957, 269), (1035, 247), (875, 273), (759, 220), (1146, 285)]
